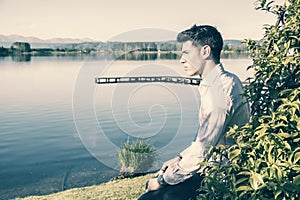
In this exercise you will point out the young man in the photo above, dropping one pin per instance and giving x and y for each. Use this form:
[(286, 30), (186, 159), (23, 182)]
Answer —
[(222, 106)]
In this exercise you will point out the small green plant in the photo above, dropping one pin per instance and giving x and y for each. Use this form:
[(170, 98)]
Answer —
[(135, 157)]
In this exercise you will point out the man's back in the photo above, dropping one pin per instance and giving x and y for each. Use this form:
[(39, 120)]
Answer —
[(222, 105)]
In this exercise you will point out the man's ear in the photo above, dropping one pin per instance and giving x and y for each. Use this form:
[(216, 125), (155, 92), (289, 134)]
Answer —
[(206, 51)]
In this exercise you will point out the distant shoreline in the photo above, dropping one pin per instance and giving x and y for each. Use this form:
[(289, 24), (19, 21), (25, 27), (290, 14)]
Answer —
[(167, 47), (62, 53)]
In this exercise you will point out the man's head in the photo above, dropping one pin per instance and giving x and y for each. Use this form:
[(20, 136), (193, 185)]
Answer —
[(201, 36)]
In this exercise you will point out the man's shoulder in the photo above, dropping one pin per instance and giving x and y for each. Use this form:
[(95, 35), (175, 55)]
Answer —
[(229, 76), (231, 81)]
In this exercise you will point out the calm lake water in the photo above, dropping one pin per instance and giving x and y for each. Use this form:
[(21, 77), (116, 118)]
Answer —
[(60, 130)]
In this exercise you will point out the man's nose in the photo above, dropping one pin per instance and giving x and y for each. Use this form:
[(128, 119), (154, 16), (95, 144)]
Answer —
[(182, 60)]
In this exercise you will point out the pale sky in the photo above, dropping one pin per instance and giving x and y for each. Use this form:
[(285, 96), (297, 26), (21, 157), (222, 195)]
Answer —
[(103, 19)]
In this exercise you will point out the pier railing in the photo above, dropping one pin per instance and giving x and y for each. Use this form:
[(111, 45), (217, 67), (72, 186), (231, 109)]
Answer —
[(146, 79)]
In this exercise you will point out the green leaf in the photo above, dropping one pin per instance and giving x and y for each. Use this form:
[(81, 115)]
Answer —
[(251, 161), (296, 157), (201, 196), (253, 184), (295, 37), (297, 180), (283, 118), (281, 125), (278, 173), (287, 145), (284, 164), (244, 188), (244, 173), (296, 140), (277, 193), (258, 178), (261, 133), (284, 135), (233, 154), (270, 157), (296, 168)]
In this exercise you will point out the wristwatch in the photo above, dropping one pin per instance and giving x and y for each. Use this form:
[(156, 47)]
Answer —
[(161, 181)]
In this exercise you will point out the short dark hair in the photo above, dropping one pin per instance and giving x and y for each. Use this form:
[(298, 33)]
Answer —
[(204, 35)]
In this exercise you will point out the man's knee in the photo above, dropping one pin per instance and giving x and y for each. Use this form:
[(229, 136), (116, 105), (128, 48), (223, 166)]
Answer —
[(149, 195)]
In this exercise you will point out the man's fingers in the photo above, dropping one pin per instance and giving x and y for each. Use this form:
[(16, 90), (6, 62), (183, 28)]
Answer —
[(158, 173)]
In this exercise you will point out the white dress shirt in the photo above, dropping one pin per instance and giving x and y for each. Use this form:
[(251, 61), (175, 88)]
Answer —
[(221, 107)]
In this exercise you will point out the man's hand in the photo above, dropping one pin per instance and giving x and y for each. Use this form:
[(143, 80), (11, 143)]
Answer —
[(168, 164), (160, 172), (152, 185)]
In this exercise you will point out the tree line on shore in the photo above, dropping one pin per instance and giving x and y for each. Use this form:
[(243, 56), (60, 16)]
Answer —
[(21, 48)]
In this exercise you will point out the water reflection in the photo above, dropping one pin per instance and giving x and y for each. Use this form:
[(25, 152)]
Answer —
[(234, 55), (169, 56), (21, 57), (131, 56)]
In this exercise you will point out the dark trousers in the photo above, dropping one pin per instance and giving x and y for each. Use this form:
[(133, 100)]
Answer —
[(182, 191)]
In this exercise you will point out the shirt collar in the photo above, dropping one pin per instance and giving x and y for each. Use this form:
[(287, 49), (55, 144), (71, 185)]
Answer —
[(212, 75)]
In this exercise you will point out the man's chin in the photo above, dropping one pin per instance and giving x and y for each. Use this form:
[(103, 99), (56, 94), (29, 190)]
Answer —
[(192, 74)]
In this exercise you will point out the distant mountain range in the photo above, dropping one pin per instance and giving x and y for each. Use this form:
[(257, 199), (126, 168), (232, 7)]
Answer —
[(35, 42), (19, 38)]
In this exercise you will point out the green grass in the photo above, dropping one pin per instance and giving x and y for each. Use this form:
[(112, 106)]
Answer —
[(136, 157), (123, 189)]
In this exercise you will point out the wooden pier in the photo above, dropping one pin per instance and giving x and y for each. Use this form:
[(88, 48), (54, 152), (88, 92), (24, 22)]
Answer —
[(144, 79)]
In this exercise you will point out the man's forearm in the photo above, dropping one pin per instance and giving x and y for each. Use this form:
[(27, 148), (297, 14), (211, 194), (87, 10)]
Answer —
[(176, 174)]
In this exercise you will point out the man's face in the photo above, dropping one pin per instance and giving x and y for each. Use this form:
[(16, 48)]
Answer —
[(191, 59)]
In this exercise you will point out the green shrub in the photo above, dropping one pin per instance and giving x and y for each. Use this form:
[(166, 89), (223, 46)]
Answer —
[(136, 157), (265, 161)]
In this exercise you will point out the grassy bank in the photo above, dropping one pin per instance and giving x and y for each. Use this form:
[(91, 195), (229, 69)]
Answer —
[(117, 189)]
